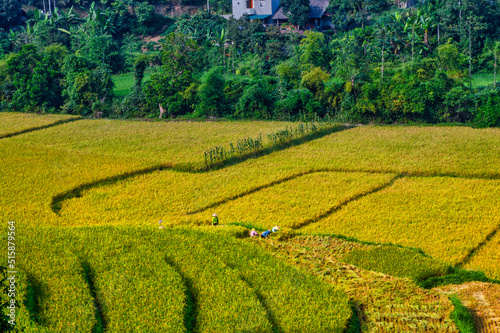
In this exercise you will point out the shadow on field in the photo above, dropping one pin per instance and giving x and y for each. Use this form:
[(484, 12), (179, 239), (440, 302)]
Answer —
[(473, 251), (89, 277), (269, 313), (347, 201), (76, 192), (289, 178), (34, 294), (191, 309), (32, 129)]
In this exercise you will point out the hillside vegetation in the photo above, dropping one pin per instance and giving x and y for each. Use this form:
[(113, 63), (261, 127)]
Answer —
[(434, 63)]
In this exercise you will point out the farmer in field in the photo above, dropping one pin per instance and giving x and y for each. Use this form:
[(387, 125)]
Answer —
[(215, 219), (276, 228), (265, 234), (254, 233)]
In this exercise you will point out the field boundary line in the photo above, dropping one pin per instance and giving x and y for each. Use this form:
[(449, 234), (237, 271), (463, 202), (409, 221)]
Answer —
[(466, 258), (76, 192), (347, 201), (277, 182), (359, 241), (89, 278), (191, 308), (248, 192), (32, 129), (269, 314), (262, 300)]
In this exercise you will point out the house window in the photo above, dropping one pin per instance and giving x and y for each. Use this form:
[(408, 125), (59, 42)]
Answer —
[(249, 3), (262, 4)]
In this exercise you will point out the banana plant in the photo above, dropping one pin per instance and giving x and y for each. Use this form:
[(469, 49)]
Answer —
[(220, 40), (97, 22), (426, 24)]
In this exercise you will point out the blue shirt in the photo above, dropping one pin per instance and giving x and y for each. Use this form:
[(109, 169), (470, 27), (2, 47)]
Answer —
[(266, 233)]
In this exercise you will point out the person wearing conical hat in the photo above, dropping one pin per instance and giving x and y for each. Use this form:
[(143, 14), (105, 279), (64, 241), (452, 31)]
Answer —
[(275, 229), (215, 219), (254, 233)]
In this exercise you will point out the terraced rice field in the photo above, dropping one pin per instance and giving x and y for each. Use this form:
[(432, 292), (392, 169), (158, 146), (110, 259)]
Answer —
[(87, 195)]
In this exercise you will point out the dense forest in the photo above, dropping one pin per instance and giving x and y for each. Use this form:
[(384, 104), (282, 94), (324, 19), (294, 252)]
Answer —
[(377, 63)]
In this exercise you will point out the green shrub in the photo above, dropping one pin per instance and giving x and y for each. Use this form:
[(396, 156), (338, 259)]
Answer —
[(462, 317), (255, 102), (211, 94), (487, 108), (298, 102)]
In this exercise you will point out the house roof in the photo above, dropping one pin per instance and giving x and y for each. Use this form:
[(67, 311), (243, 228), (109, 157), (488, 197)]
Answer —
[(258, 17), (279, 15), (317, 9)]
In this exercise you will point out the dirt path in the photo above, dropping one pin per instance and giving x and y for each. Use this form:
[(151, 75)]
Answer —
[(483, 299)]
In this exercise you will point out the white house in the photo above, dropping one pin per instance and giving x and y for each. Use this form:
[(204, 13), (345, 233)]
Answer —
[(270, 11), (256, 9)]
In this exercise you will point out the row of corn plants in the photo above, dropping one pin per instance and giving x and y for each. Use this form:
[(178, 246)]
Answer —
[(243, 146), (247, 147)]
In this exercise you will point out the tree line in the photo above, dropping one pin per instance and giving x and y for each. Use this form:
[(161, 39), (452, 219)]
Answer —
[(378, 63)]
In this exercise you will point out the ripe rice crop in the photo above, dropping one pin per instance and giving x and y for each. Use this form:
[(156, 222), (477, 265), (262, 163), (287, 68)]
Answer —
[(457, 151), (52, 293), (296, 302), (348, 174), (13, 122), (31, 176), (146, 279), (297, 201), (156, 142), (166, 195), (445, 217)]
